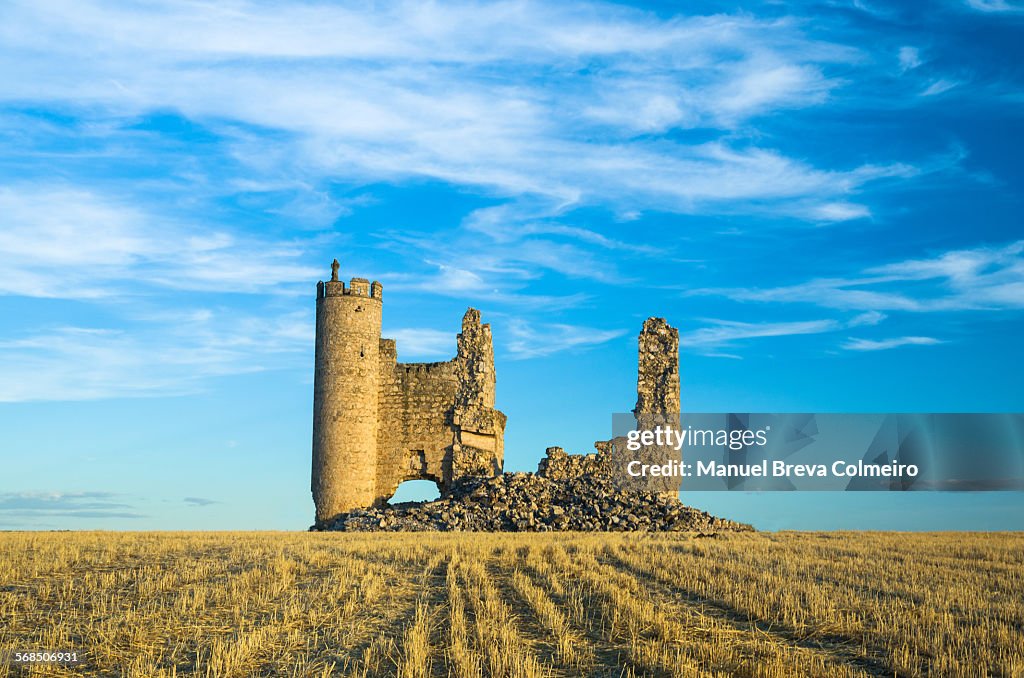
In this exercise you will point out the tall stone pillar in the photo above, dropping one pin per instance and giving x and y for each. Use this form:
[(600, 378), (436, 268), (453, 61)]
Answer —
[(657, 382), (657, 396)]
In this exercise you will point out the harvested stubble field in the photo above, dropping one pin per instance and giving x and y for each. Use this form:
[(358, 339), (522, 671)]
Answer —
[(429, 604)]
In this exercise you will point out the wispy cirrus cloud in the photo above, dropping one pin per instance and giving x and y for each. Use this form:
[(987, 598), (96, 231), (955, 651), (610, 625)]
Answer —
[(557, 102), (910, 58), (529, 340), (719, 333), (170, 354), (422, 342), (981, 278), (853, 344), (200, 502), (476, 280), (29, 507), (994, 6), (494, 262), (988, 278), (62, 241), (940, 86), (509, 223)]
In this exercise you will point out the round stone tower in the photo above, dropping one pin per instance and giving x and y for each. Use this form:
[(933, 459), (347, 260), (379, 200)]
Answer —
[(345, 392)]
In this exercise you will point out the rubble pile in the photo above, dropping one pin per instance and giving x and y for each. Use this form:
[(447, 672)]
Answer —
[(567, 493)]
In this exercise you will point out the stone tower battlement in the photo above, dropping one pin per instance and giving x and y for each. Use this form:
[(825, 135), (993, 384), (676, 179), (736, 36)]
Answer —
[(358, 287), (378, 422)]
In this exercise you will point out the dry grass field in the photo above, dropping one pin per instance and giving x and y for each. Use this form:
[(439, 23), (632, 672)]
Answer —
[(418, 605)]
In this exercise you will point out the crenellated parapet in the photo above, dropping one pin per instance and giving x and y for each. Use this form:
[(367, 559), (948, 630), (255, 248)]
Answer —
[(357, 287)]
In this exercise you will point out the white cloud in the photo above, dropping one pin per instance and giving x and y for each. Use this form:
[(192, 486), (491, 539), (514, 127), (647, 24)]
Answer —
[(311, 208), (496, 268), (762, 83), (725, 332), (867, 319), (940, 86), (174, 354), (839, 211), (994, 6), (419, 342), (512, 222), (456, 280), (981, 278), (884, 344), (503, 97), (67, 242), (910, 58), (643, 110), (534, 341), (26, 508)]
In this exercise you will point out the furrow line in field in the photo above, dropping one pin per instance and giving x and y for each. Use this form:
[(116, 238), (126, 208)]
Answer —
[(818, 598), (461, 660), (504, 651), (625, 623), (560, 645), (422, 653), (581, 608), (362, 639), (834, 651)]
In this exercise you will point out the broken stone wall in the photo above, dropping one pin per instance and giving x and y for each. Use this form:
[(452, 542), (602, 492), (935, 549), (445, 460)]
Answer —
[(557, 464), (657, 404), (437, 420)]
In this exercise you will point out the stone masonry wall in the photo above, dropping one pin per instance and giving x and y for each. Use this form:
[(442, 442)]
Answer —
[(438, 420), (558, 464), (415, 435)]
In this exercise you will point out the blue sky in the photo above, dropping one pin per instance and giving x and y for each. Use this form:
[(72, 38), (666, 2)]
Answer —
[(825, 198)]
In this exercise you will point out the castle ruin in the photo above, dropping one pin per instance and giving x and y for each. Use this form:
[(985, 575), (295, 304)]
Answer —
[(378, 422)]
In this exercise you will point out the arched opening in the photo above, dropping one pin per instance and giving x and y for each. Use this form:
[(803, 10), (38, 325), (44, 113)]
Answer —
[(415, 490)]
